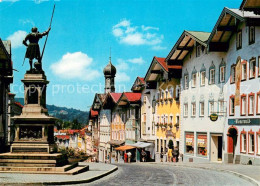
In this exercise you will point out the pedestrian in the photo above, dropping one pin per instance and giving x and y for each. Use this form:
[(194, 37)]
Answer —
[(143, 153), (108, 158), (129, 154), (125, 157), (170, 155)]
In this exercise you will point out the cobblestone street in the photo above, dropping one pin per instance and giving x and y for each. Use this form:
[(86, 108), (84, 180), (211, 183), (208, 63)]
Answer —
[(147, 174)]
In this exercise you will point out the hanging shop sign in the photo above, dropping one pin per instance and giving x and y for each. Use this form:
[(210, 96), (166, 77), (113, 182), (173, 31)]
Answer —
[(213, 117)]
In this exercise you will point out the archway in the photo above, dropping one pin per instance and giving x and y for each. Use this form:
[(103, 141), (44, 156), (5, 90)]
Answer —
[(232, 139)]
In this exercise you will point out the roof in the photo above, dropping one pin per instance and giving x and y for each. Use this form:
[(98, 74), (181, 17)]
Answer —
[(162, 62), (141, 79), (132, 96), (93, 113), (18, 104), (226, 26), (185, 44), (63, 137), (115, 96), (250, 4)]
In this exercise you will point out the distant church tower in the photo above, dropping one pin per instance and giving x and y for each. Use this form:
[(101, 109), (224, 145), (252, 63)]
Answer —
[(109, 73)]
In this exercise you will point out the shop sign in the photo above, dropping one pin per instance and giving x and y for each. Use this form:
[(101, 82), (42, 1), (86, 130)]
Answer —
[(213, 117), (246, 121)]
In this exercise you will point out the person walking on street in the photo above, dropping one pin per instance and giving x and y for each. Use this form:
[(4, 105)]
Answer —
[(143, 153), (129, 154)]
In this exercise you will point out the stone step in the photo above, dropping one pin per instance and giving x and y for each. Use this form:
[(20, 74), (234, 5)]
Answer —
[(30, 156), (28, 161), (27, 165), (46, 170)]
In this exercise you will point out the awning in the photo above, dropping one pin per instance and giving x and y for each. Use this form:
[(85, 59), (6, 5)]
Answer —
[(125, 147), (140, 144), (115, 142)]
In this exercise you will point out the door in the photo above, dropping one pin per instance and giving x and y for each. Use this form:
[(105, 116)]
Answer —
[(214, 148)]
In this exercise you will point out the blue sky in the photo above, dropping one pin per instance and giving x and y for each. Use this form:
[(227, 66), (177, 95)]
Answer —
[(83, 32)]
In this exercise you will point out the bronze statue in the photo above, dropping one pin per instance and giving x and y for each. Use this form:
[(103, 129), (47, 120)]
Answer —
[(33, 49)]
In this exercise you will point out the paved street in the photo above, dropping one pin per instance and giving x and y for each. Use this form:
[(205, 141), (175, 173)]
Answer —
[(147, 174)]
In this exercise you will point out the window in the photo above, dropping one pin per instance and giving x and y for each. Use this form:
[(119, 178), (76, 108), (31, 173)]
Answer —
[(177, 92), (251, 35), (251, 104), (243, 105), (171, 121), (193, 109), (186, 83), (198, 50), (212, 77), (252, 67), (158, 95), (202, 78), (186, 110), (193, 80), (239, 40), (232, 106), (258, 65), (162, 94), (222, 74), (166, 94), (211, 107), (189, 143), (233, 74), (251, 141), (243, 142), (244, 71), (201, 108), (221, 108), (258, 103), (171, 92), (258, 143), (202, 144)]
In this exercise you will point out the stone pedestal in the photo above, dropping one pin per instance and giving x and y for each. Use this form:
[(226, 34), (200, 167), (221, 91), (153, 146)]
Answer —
[(34, 128)]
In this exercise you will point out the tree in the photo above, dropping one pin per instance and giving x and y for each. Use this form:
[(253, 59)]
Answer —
[(76, 124)]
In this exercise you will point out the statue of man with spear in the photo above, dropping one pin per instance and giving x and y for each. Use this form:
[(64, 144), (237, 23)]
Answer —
[(33, 49)]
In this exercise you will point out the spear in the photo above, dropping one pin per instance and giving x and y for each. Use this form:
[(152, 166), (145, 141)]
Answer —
[(48, 33)]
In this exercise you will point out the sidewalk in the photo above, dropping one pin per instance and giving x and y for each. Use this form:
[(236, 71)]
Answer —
[(249, 172), (96, 171)]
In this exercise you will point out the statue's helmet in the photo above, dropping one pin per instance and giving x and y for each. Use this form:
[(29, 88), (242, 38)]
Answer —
[(34, 29)]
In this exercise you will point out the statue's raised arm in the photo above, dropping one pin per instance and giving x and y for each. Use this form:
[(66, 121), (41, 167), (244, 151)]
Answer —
[(33, 49)]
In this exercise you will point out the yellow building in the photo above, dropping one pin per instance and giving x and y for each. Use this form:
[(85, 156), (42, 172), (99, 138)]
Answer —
[(167, 78)]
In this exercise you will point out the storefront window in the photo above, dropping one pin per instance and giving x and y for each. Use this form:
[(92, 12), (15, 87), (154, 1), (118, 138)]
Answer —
[(189, 143), (202, 144)]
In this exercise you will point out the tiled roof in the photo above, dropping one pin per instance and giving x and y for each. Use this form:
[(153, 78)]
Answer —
[(162, 62), (133, 97), (63, 137), (18, 104), (141, 79), (93, 113), (115, 96), (102, 97)]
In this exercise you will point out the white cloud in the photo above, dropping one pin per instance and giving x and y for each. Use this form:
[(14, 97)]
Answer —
[(121, 65), (149, 28), (75, 66), (158, 47), (27, 21), (136, 35), (17, 38), (139, 60), (122, 77)]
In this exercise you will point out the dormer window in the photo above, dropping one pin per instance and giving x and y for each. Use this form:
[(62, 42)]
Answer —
[(239, 40), (251, 35), (198, 50)]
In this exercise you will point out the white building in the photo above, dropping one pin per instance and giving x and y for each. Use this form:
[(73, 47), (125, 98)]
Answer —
[(241, 30), (203, 86)]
